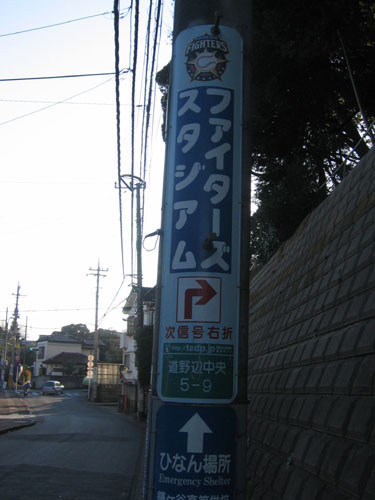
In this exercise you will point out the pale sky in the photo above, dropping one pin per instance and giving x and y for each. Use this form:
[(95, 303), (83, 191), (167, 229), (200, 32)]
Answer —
[(59, 209)]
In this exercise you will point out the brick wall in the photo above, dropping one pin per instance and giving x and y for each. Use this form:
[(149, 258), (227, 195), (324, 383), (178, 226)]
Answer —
[(311, 433)]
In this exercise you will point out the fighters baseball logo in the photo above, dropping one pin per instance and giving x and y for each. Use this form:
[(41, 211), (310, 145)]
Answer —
[(206, 58)]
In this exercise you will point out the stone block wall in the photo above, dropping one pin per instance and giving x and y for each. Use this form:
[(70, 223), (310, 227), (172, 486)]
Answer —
[(311, 385)]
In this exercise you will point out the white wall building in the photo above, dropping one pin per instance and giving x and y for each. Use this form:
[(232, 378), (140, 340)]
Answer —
[(127, 342), (50, 346)]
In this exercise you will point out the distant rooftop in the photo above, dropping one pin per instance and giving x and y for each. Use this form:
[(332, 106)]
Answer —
[(67, 357), (148, 295), (64, 339)]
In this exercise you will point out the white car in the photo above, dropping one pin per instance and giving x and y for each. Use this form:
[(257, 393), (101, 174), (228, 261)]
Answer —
[(52, 387)]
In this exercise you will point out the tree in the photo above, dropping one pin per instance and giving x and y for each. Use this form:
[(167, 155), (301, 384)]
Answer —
[(162, 79), (306, 118), (27, 354), (79, 332), (143, 354), (311, 61), (2, 336), (110, 350)]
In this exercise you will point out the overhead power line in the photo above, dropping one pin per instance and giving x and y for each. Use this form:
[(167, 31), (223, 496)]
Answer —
[(55, 104), (57, 24), (110, 308), (52, 77), (151, 83), (118, 115), (58, 310), (28, 101), (135, 62)]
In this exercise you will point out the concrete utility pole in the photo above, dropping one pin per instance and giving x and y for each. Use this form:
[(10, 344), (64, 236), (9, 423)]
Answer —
[(137, 187), (14, 336), (139, 258), (99, 273), (4, 354), (196, 442)]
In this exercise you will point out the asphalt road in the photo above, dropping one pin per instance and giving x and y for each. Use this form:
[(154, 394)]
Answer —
[(76, 450)]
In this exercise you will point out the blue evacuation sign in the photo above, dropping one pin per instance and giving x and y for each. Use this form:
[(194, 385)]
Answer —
[(195, 453)]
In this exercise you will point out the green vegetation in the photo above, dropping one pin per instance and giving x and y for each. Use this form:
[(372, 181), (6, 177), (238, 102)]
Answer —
[(307, 125), (306, 119), (143, 355), (109, 341)]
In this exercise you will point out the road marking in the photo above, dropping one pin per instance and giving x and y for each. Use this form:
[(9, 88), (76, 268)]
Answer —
[(69, 394)]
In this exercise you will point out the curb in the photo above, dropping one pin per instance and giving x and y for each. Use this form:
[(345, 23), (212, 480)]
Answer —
[(12, 425)]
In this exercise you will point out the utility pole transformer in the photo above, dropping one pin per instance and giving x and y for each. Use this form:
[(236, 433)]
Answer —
[(196, 440)]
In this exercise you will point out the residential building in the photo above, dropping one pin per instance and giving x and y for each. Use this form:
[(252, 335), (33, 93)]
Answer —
[(128, 343), (56, 351)]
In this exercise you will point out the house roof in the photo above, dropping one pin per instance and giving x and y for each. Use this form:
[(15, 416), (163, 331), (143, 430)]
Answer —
[(67, 357), (58, 338), (89, 343), (148, 295), (63, 339)]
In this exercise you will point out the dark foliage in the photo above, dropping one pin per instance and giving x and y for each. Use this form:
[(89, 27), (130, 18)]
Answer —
[(110, 351), (162, 79), (143, 355), (78, 332), (306, 117)]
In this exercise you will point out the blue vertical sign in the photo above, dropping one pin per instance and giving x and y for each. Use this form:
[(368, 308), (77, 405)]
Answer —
[(198, 335), (194, 453)]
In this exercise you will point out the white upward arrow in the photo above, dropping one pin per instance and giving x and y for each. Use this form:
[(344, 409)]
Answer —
[(196, 428)]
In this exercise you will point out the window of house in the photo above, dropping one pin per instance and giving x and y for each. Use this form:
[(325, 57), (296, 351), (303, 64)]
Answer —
[(131, 325), (41, 352), (127, 361)]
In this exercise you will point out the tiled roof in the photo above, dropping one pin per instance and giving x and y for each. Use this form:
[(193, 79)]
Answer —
[(67, 357), (63, 339), (58, 339)]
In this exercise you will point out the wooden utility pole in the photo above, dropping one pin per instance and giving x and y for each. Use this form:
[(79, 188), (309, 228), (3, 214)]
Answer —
[(99, 273), (198, 407)]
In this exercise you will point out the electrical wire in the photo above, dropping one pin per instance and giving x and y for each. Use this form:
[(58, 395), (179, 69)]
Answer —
[(145, 80), (56, 24), (148, 84), (135, 57), (52, 77), (108, 310), (149, 101), (118, 127), (148, 106), (58, 310), (154, 85), (24, 101), (55, 104)]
